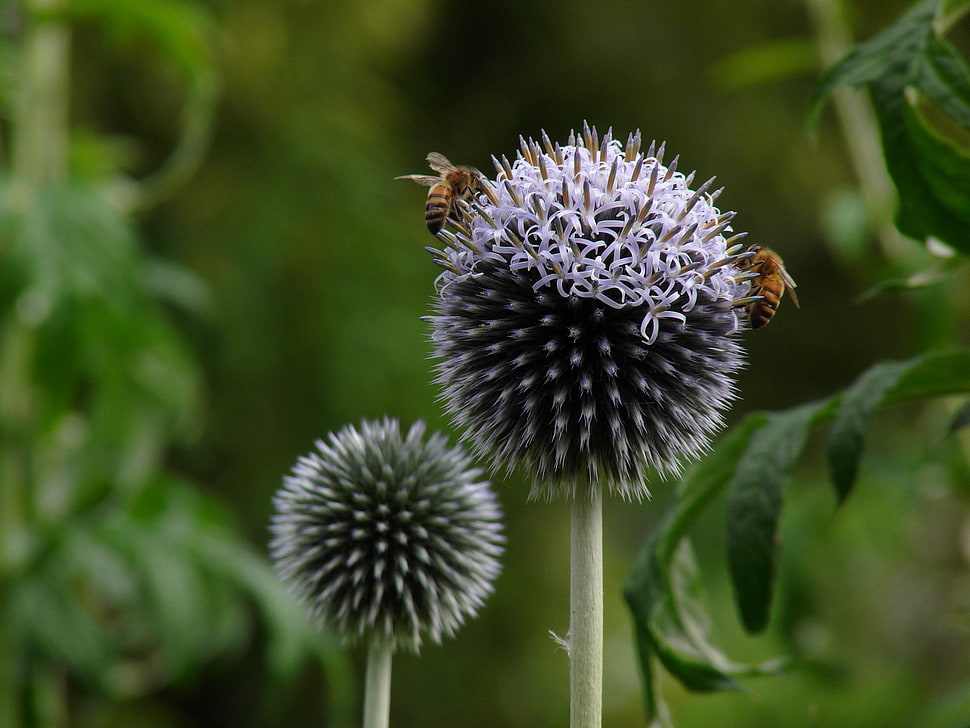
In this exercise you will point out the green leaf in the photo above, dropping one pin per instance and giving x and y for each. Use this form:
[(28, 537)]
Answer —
[(682, 634), (755, 502), (905, 62), (658, 715), (680, 630), (929, 172), (754, 508), (941, 73), (182, 30), (704, 481), (885, 57), (662, 590), (949, 710), (767, 62), (960, 419), (56, 609), (179, 286), (186, 36), (755, 458), (951, 11), (174, 591), (73, 246), (932, 375), (199, 530), (134, 595), (932, 275), (856, 408)]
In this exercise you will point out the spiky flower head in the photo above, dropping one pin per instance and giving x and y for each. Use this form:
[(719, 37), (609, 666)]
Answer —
[(387, 537), (585, 321)]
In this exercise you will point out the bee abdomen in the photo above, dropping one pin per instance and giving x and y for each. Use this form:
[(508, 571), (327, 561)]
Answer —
[(760, 316), (761, 312), (436, 211)]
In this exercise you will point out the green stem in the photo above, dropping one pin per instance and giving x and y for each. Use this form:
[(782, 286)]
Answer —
[(377, 685), (10, 711), (40, 141), (586, 611), (39, 158), (49, 699), (859, 127), (16, 355)]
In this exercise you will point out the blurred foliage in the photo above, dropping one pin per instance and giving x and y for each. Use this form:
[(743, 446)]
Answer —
[(755, 460), (908, 65), (120, 578), (158, 373)]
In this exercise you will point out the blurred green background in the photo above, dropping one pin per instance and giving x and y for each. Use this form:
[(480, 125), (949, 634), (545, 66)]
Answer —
[(310, 281)]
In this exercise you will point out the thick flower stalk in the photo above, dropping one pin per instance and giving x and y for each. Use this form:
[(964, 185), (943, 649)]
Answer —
[(387, 537), (585, 321)]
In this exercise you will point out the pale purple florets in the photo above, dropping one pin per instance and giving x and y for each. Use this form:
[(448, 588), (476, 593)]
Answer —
[(586, 316)]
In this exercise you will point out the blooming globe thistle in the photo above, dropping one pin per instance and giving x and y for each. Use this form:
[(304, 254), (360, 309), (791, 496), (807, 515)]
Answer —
[(586, 320), (386, 537)]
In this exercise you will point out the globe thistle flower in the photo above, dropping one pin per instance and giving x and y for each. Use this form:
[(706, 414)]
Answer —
[(387, 537), (586, 320)]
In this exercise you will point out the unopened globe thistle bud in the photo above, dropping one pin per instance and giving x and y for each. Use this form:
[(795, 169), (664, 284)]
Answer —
[(585, 321), (387, 537)]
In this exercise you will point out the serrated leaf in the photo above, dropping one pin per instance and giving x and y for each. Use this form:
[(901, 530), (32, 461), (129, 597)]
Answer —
[(930, 174), (886, 56), (919, 213), (942, 74), (754, 508), (930, 171), (856, 408)]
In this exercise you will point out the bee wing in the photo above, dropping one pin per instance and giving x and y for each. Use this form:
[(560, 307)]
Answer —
[(421, 179), (439, 163), (790, 286)]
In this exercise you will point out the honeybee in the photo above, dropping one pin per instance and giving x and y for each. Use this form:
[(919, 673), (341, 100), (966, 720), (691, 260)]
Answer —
[(772, 282), (454, 183)]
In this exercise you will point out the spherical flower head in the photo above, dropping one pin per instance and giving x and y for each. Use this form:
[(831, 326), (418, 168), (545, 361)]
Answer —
[(387, 537), (586, 320)]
